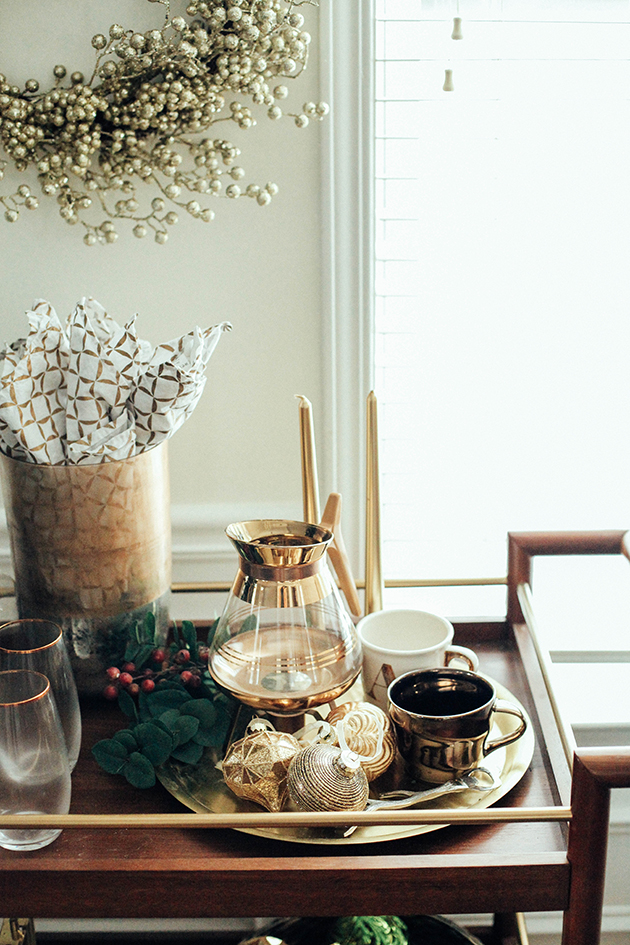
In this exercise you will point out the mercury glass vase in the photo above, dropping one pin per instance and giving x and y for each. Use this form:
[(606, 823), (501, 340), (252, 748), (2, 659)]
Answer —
[(91, 548)]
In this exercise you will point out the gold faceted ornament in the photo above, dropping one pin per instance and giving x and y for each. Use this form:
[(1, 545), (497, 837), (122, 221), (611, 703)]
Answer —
[(255, 767), (363, 724), (97, 144)]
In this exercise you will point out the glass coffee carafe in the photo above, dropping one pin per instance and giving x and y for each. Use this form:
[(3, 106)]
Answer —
[(285, 642)]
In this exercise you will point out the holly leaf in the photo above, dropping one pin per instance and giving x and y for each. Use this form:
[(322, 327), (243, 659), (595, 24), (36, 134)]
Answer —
[(111, 755), (139, 771)]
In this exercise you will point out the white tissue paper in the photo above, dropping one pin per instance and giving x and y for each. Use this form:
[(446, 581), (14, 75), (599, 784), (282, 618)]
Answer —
[(92, 391)]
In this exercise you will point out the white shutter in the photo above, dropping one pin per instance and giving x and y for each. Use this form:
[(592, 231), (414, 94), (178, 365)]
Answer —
[(502, 237)]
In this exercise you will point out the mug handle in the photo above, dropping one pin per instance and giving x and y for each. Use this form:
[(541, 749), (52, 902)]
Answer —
[(509, 709), (455, 652)]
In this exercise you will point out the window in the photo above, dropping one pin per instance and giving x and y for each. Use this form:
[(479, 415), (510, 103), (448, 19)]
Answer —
[(491, 226), (502, 215)]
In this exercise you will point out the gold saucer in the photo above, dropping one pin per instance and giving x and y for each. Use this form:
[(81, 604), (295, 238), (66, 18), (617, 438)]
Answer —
[(201, 788)]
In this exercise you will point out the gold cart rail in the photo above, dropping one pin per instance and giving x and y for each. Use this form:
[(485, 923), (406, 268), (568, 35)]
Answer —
[(307, 819)]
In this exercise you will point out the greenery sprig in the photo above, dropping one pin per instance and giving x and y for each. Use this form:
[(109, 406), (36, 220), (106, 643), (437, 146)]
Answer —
[(370, 930), (176, 709)]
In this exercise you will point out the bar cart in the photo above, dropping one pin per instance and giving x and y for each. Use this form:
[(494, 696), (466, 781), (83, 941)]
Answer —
[(140, 854)]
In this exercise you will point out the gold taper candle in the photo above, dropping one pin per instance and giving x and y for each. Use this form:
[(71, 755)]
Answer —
[(310, 487), (373, 570)]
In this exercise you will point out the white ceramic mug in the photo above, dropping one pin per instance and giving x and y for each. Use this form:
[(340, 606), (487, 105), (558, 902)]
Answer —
[(398, 641)]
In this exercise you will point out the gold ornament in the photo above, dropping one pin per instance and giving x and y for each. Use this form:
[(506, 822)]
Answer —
[(255, 768), (322, 777), (96, 142), (363, 724)]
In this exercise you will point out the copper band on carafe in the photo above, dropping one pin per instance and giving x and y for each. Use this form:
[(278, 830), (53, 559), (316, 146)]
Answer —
[(262, 572)]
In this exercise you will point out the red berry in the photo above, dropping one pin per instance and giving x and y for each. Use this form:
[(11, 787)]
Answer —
[(110, 692), (159, 656), (195, 682), (147, 685), (129, 667), (125, 679), (113, 672), (186, 676), (203, 653), (134, 689), (183, 656)]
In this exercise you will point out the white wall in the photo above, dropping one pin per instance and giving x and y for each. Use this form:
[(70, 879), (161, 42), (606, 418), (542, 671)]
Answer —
[(259, 267)]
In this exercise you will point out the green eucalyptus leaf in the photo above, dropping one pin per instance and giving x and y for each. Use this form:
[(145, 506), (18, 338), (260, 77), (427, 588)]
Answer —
[(206, 739), (217, 736), (149, 629), (164, 684), (203, 710), (154, 743), (250, 623), (190, 636), (190, 753), (144, 713), (127, 739), (110, 755), (139, 771), (127, 705), (185, 728), (158, 722), (143, 655), (131, 651), (162, 699), (177, 640), (169, 718)]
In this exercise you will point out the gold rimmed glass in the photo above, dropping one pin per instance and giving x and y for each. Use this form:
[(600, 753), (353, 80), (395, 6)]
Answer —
[(34, 769), (38, 645)]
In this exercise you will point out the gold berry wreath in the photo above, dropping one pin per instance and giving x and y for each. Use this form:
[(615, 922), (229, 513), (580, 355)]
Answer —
[(138, 121)]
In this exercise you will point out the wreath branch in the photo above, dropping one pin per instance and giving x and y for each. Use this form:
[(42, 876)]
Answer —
[(137, 122)]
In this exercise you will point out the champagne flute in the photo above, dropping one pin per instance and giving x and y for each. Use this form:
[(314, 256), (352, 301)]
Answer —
[(38, 645), (34, 769)]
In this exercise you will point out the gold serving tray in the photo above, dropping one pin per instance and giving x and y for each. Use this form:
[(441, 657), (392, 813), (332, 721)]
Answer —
[(202, 789)]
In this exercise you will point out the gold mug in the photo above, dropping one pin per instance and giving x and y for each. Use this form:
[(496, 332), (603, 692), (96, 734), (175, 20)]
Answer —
[(443, 719)]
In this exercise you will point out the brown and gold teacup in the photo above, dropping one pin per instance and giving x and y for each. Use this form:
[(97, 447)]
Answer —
[(443, 719)]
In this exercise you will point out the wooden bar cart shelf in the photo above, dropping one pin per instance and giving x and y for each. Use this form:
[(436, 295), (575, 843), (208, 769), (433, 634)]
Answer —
[(543, 848)]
